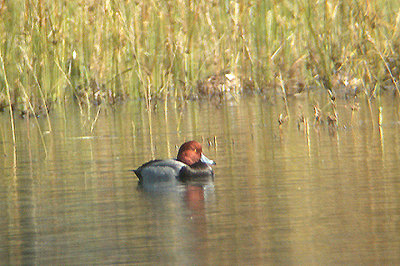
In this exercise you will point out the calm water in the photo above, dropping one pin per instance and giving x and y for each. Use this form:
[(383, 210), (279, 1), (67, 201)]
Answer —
[(281, 195)]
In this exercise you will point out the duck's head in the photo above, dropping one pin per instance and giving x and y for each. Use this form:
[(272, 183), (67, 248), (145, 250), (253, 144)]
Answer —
[(191, 153)]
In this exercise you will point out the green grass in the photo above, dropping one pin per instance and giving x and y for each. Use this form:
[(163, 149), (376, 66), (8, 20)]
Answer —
[(106, 51)]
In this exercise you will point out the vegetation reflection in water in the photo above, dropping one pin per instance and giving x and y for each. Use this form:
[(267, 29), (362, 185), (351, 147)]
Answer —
[(293, 192)]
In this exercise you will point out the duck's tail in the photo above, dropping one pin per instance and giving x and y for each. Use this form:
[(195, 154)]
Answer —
[(137, 173)]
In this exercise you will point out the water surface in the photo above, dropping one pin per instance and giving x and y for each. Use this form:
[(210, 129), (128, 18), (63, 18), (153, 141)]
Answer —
[(290, 194)]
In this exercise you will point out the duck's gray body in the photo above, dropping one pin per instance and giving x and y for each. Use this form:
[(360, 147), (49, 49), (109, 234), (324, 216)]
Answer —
[(170, 171), (157, 171)]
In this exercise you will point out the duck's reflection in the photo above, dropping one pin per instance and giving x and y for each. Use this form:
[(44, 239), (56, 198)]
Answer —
[(179, 218)]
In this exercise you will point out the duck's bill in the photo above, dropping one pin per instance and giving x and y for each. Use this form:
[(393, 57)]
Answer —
[(204, 159)]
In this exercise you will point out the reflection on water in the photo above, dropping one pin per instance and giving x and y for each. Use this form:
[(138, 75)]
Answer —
[(281, 195)]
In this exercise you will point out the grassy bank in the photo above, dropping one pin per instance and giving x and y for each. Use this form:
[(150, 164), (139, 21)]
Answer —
[(105, 51)]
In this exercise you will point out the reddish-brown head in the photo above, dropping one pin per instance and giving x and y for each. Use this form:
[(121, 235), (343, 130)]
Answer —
[(190, 152)]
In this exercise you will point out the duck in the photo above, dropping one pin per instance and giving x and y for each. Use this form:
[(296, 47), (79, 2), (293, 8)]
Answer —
[(190, 164)]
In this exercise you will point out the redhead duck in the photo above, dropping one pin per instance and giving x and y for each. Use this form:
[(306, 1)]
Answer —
[(190, 164)]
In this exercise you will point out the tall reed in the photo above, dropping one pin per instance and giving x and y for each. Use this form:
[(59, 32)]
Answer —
[(97, 51)]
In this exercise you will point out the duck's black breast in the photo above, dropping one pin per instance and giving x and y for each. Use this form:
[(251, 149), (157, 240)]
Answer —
[(197, 171)]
